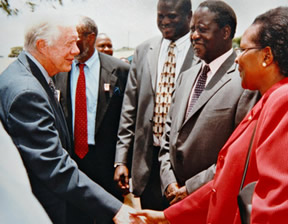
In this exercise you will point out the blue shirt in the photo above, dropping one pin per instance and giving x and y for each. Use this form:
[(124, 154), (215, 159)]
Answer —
[(92, 74)]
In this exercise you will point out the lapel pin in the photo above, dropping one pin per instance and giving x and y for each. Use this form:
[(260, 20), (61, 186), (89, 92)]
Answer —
[(106, 87)]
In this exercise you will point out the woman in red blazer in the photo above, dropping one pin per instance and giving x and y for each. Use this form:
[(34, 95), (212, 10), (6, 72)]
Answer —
[(263, 66)]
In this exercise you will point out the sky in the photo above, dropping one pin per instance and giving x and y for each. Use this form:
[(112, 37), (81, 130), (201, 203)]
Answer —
[(127, 22)]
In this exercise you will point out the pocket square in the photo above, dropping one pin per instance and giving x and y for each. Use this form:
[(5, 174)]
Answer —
[(117, 91)]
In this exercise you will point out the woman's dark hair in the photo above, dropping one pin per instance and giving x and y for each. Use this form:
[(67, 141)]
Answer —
[(273, 32), (224, 14)]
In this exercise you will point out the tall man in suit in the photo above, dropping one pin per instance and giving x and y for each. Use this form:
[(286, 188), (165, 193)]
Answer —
[(105, 81), (33, 118), (140, 124), (199, 123)]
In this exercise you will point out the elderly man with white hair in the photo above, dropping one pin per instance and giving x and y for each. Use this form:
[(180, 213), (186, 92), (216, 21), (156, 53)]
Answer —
[(33, 118)]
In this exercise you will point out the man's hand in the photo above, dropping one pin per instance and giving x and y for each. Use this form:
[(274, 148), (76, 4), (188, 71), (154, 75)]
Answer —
[(150, 217), (121, 176), (180, 194), (171, 190), (123, 216)]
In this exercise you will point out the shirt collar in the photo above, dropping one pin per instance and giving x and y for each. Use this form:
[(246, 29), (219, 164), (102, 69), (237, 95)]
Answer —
[(42, 69), (93, 59), (216, 63), (180, 43)]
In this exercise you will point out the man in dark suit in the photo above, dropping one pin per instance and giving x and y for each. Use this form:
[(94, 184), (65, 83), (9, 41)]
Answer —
[(138, 121), (33, 118), (194, 134), (105, 81)]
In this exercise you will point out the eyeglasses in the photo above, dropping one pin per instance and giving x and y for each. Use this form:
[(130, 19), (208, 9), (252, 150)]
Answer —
[(240, 50)]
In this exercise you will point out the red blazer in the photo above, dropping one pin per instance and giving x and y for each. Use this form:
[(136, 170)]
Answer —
[(216, 202)]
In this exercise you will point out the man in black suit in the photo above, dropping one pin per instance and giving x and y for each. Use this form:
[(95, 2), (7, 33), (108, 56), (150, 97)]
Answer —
[(105, 80), (33, 118)]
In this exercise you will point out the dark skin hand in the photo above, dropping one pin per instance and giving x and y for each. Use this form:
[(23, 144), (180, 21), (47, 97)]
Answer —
[(121, 176), (174, 193)]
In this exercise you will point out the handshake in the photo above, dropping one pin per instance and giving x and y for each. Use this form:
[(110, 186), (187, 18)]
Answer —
[(128, 215)]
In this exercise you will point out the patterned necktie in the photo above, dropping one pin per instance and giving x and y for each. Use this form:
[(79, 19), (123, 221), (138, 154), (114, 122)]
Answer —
[(165, 89), (80, 129), (200, 86), (53, 89)]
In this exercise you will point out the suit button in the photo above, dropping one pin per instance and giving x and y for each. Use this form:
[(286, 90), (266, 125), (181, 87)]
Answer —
[(214, 190), (221, 158)]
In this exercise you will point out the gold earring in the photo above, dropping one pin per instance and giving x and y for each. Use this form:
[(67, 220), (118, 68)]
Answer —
[(264, 64)]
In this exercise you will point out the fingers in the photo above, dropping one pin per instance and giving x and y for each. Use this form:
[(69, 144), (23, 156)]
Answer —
[(121, 176)]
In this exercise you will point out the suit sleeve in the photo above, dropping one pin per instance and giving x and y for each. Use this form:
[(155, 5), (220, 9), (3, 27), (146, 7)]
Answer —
[(166, 172), (31, 123), (271, 192), (126, 129)]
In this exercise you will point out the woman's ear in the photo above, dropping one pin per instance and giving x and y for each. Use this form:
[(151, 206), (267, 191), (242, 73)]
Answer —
[(268, 57)]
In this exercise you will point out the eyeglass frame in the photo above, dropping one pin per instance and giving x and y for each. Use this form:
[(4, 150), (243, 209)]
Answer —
[(239, 50)]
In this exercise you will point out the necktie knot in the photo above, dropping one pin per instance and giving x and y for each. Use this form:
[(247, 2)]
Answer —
[(172, 45), (205, 71), (81, 66)]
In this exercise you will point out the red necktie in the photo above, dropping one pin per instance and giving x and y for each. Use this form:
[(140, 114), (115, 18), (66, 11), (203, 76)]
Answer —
[(80, 129)]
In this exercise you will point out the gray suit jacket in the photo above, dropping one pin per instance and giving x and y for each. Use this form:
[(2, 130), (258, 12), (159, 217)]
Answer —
[(135, 127), (37, 126), (191, 145)]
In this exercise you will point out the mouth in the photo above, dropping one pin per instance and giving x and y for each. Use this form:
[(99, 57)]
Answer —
[(70, 61), (197, 47), (165, 27)]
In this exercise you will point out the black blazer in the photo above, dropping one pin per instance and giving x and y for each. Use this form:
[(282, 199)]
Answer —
[(98, 164)]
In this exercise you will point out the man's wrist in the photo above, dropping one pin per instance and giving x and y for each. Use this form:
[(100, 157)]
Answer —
[(118, 164)]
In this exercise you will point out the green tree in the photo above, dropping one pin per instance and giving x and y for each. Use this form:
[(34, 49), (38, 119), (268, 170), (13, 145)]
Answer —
[(10, 11), (15, 51)]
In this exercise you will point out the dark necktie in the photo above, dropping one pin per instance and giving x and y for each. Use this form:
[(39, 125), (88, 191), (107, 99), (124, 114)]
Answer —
[(80, 128), (200, 86), (165, 89)]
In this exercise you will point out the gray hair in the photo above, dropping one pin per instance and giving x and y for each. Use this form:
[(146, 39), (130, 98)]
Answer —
[(88, 25), (46, 27)]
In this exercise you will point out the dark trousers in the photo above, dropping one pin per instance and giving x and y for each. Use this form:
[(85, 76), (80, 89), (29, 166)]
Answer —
[(151, 197)]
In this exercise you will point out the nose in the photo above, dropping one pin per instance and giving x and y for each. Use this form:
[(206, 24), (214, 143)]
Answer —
[(75, 50), (165, 20), (237, 59), (194, 35)]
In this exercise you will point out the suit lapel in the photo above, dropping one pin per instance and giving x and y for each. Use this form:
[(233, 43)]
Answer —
[(152, 55), (186, 82), (107, 76), (55, 105), (189, 61), (217, 82)]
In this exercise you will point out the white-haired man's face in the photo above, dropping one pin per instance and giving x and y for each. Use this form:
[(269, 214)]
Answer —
[(61, 53)]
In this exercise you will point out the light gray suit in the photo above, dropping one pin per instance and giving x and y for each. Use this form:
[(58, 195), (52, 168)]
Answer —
[(136, 124), (191, 145)]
